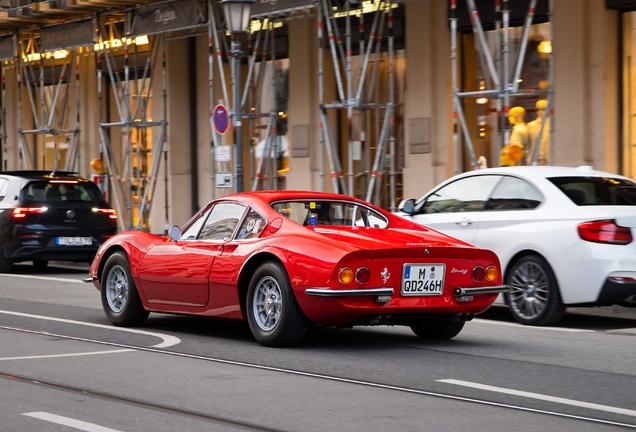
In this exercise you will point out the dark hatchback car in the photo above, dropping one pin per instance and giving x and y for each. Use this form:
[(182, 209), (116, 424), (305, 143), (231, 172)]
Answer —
[(48, 215)]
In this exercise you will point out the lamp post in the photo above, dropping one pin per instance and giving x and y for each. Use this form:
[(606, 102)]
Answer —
[(237, 16)]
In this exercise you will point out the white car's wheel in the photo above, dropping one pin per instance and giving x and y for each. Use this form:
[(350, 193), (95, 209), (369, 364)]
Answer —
[(273, 314), (534, 297)]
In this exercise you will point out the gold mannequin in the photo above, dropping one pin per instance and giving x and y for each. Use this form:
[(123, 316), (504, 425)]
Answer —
[(519, 138), (534, 127)]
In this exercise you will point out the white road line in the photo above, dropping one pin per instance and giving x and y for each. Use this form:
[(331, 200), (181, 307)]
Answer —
[(571, 402), (43, 278), (168, 340), (65, 421), (66, 355), (561, 329)]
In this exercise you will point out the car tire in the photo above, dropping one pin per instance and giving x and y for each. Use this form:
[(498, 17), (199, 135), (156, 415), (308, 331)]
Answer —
[(273, 314), (534, 297), (6, 264), (40, 265), (120, 298), (440, 330)]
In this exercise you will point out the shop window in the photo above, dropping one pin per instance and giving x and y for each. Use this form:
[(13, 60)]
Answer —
[(629, 95), (486, 128)]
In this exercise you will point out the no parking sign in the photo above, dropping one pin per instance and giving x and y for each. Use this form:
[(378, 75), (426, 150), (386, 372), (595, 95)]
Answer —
[(220, 119)]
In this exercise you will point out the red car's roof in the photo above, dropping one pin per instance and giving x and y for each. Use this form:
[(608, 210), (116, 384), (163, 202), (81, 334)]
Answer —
[(275, 195)]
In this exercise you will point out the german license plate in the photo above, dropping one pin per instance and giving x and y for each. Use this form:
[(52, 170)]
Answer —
[(74, 241), (423, 279)]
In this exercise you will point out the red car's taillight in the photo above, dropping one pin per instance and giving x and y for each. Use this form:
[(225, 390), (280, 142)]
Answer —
[(605, 231), (20, 212)]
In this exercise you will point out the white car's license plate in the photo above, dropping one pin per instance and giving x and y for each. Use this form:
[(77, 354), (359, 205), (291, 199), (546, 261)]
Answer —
[(74, 241), (423, 279)]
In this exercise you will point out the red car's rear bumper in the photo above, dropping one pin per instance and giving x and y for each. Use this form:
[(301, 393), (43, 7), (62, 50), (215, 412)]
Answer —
[(341, 307)]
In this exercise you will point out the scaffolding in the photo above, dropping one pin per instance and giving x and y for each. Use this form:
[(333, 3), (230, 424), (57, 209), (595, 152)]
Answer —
[(264, 165), (6, 61), (49, 103), (362, 96), (501, 85)]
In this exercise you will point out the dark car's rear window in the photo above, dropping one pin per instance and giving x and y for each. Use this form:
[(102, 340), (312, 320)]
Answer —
[(59, 192), (597, 191)]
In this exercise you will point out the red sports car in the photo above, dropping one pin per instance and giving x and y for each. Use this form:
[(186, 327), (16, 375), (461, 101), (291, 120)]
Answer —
[(286, 259)]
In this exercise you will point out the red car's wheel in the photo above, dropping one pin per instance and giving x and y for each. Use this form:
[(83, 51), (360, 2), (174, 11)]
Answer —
[(120, 298), (273, 314), (441, 330)]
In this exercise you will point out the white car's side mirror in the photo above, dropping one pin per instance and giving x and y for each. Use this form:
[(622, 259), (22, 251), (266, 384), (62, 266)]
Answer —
[(407, 206), (175, 232)]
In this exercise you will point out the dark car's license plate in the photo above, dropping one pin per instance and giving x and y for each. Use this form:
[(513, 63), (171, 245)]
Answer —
[(74, 241)]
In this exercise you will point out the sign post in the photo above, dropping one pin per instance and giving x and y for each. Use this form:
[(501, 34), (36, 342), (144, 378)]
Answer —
[(221, 123)]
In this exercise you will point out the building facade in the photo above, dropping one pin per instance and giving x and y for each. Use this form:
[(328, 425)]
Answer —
[(142, 103)]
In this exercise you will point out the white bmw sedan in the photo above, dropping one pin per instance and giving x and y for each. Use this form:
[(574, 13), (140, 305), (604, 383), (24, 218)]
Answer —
[(564, 236)]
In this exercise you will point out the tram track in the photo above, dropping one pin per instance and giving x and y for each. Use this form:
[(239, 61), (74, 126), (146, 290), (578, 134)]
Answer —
[(332, 378)]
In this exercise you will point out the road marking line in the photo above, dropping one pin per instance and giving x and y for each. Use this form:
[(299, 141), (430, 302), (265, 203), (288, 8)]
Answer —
[(43, 278), (168, 340), (65, 421), (325, 377), (572, 402), (66, 355), (561, 329)]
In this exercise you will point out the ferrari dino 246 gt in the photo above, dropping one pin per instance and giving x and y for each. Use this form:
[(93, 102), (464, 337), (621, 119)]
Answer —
[(284, 260)]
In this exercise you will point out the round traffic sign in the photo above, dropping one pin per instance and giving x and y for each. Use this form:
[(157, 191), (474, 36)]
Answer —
[(220, 119)]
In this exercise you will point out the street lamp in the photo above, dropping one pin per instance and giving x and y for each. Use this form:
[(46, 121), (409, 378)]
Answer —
[(237, 15)]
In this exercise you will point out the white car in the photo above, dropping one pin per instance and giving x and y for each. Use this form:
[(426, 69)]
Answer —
[(564, 236)]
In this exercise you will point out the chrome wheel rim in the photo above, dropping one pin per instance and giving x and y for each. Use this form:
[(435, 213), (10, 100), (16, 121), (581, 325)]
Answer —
[(117, 288), (529, 289), (268, 302)]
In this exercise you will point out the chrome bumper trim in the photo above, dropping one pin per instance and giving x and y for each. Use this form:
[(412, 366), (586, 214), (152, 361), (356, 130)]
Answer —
[(481, 290), (349, 293), (88, 279)]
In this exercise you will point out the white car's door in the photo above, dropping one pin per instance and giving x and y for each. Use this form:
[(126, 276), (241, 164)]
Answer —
[(511, 218), (453, 209)]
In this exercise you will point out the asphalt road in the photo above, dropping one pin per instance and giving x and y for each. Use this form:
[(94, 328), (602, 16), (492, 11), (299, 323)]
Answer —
[(63, 367)]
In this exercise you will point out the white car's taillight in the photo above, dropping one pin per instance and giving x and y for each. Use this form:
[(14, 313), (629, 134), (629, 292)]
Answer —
[(605, 231)]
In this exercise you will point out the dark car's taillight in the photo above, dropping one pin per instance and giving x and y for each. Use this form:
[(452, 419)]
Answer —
[(20, 212), (110, 212), (605, 231)]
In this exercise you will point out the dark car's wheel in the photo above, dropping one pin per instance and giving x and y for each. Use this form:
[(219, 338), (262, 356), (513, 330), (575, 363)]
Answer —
[(6, 264), (120, 298), (40, 264), (440, 330), (273, 314), (534, 297)]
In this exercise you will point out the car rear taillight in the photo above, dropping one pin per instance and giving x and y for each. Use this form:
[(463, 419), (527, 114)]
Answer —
[(605, 231), (363, 275), (478, 274), (491, 273), (110, 212), (345, 275), (20, 212)]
